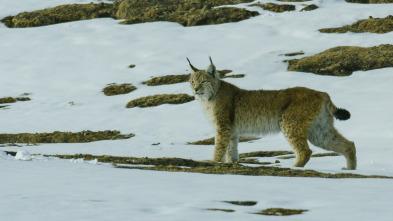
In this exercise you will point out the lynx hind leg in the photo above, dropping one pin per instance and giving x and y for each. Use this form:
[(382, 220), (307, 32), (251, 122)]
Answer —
[(323, 134), (231, 153), (297, 138)]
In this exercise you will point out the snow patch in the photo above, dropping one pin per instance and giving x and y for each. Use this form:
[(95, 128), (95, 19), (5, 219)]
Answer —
[(23, 155)]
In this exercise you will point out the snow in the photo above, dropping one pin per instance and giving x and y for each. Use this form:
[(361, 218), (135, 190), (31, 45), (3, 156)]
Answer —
[(73, 62), (23, 155)]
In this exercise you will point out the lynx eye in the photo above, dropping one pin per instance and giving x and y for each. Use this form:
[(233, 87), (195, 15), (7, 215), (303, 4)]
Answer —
[(192, 82)]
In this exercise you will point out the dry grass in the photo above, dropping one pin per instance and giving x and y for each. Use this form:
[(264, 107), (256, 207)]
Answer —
[(370, 1), (116, 89), (343, 60), (63, 137), (155, 100), (207, 167), (275, 7), (211, 141), (373, 25), (59, 14), (6, 100), (281, 212), (186, 13)]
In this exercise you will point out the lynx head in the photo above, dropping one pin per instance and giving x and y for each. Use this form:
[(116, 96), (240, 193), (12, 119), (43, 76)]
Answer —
[(204, 83)]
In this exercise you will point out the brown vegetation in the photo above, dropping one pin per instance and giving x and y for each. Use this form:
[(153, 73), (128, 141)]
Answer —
[(343, 60), (370, 1), (373, 25), (275, 7), (116, 89), (281, 212), (155, 100), (63, 137), (187, 13)]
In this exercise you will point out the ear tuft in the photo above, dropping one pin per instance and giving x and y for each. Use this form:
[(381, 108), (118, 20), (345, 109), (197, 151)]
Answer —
[(211, 70), (192, 67)]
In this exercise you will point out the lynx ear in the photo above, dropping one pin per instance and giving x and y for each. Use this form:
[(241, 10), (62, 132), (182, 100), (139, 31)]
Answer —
[(211, 70), (192, 67)]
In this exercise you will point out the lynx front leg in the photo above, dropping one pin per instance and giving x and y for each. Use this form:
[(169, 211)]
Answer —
[(223, 137), (231, 154)]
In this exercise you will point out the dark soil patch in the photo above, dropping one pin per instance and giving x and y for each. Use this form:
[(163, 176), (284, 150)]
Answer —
[(242, 203), (191, 166), (309, 8), (221, 210), (373, 25), (370, 1), (116, 89), (186, 13), (211, 141), (155, 100), (275, 7), (343, 60), (281, 212), (174, 79), (63, 137), (6, 100), (59, 14)]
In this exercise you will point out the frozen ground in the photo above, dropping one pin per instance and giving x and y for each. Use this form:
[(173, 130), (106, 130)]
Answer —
[(73, 62)]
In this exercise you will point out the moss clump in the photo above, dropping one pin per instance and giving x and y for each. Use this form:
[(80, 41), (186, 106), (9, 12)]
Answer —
[(6, 100), (155, 100), (309, 8), (211, 141), (59, 14), (63, 137), (373, 25), (281, 212), (186, 13), (343, 60), (242, 203), (370, 1), (275, 7), (116, 89)]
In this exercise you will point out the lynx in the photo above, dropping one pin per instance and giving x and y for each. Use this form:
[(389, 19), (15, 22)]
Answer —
[(300, 113)]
